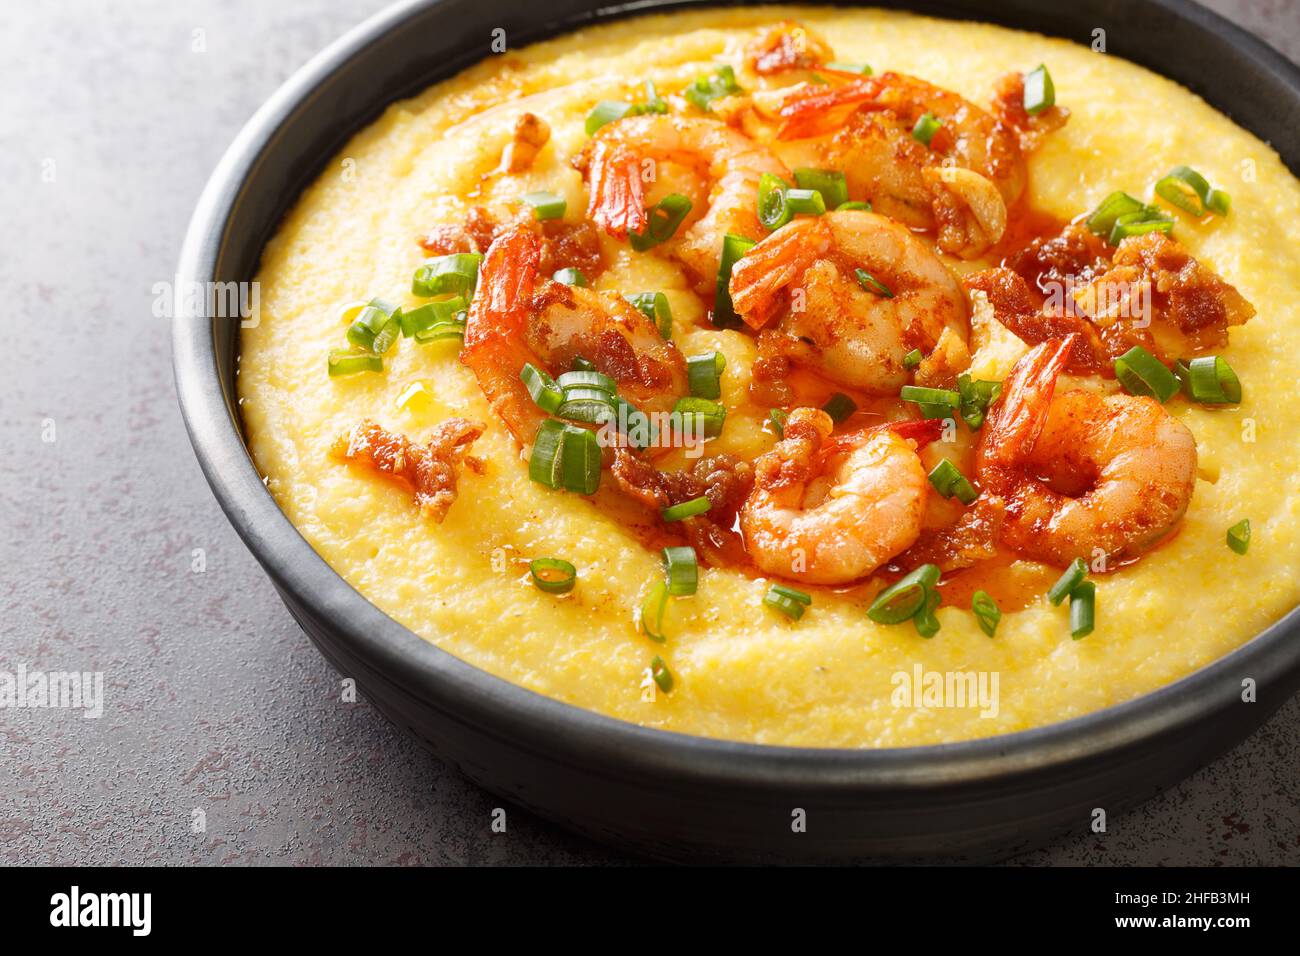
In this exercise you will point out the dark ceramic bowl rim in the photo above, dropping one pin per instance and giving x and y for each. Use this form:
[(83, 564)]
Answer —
[(567, 733)]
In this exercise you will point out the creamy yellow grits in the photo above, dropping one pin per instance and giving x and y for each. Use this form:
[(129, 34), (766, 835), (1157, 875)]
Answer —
[(741, 671)]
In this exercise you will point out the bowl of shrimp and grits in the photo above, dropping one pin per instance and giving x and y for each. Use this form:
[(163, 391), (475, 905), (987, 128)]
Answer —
[(775, 432)]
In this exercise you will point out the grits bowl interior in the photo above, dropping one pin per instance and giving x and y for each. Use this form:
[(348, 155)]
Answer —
[(665, 794)]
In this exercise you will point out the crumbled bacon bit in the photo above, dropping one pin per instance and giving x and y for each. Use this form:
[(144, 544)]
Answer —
[(565, 245), (723, 479), (1021, 311), (1075, 254), (972, 539), (786, 46), (429, 469)]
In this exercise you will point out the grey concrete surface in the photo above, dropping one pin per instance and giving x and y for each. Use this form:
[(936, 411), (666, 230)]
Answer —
[(112, 114)]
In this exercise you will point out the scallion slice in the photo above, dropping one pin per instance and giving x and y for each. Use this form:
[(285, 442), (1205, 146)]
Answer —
[(1239, 536), (733, 249), (664, 218), (948, 480), (872, 284), (589, 405), (686, 509), (587, 378), (1209, 380), (606, 111), (375, 328), (1083, 609), (913, 358), (553, 575), (839, 407), (832, 185), (773, 210), (581, 460), (456, 274), (976, 397), (570, 276), (904, 598), (861, 68), (652, 611), (545, 464), (1137, 224), (654, 306), (926, 624), (1040, 93), (853, 204), (683, 571), (987, 612), (661, 675), (1141, 373), (805, 202), (426, 316), (347, 362), (440, 331), (542, 388), (930, 396), (1102, 219), (712, 86), (704, 374), (925, 128), (546, 205), (1187, 189), (1068, 581), (710, 415), (777, 417), (789, 601)]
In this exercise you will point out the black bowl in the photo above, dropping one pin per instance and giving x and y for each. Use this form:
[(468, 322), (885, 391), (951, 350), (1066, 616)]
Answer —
[(670, 795)]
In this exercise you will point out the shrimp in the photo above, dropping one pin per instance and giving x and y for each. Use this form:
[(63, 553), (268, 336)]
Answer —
[(807, 274), (614, 162), (786, 46), (958, 186), (832, 510), (519, 317), (1082, 472)]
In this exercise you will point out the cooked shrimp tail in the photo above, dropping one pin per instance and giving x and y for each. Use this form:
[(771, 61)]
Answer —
[(1018, 419), (616, 200)]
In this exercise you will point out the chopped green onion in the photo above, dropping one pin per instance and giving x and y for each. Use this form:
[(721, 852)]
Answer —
[(456, 274), (1141, 373), (546, 205), (570, 277), (733, 249), (553, 575), (425, 317), (542, 388), (375, 328), (1239, 536), (853, 204), (606, 111), (861, 68), (1137, 224), (926, 624), (1067, 582), (581, 455), (1187, 189), (654, 306), (710, 415), (904, 598), (948, 480), (930, 396), (704, 374), (589, 405), (587, 378), (789, 601), (773, 210), (581, 364), (664, 219), (986, 611), (652, 612), (683, 571), (1040, 93), (1120, 215), (545, 464), (976, 397), (1083, 609), (777, 417), (439, 331), (913, 358), (805, 202), (345, 362), (839, 407), (712, 86), (1209, 380), (686, 509), (925, 128), (661, 674), (872, 284), (829, 182)]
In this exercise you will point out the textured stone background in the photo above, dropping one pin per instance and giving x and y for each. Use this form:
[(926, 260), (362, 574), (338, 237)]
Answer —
[(217, 701)]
